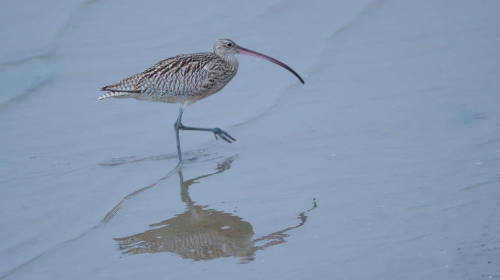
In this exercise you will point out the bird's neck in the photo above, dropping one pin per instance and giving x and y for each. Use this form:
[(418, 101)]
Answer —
[(230, 61)]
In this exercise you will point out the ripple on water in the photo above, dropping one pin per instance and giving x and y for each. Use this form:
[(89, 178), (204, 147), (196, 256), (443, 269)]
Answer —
[(188, 156)]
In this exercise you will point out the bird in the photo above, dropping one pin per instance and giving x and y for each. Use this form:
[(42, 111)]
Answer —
[(186, 79)]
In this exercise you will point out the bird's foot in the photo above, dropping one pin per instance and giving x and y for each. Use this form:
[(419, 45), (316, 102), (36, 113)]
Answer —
[(216, 131), (222, 134)]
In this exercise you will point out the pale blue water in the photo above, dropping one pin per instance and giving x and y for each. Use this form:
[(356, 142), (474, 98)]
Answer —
[(384, 165)]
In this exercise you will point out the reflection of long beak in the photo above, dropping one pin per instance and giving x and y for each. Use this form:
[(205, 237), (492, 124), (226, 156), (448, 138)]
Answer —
[(242, 50)]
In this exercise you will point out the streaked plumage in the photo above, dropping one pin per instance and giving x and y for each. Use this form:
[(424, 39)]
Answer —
[(179, 79), (186, 79)]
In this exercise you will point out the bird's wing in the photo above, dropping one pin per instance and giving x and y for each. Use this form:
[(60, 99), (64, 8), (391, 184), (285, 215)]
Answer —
[(176, 76)]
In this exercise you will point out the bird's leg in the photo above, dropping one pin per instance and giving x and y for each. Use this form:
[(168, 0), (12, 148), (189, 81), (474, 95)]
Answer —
[(177, 126), (216, 131)]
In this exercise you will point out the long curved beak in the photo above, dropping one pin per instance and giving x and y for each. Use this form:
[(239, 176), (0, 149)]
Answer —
[(242, 50)]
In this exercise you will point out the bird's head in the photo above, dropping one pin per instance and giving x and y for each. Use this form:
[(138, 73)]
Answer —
[(225, 47)]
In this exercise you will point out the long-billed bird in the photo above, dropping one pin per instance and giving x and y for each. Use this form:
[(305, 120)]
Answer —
[(186, 79)]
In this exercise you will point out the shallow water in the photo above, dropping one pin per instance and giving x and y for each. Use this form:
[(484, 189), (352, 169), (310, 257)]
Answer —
[(384, 165)]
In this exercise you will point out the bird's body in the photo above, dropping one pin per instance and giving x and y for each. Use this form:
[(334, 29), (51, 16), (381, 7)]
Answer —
[(186, 79), (181, 79)]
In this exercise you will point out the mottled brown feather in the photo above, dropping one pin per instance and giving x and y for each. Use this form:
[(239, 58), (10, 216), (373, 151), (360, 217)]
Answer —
[(180, 79)]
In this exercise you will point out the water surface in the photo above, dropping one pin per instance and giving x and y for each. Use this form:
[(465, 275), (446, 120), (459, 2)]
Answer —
[(384, 165)]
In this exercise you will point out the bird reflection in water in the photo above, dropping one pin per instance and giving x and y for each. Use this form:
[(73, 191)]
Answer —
[(204, 234)]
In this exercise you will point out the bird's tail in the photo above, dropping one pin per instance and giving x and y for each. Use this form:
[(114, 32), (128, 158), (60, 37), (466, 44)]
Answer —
[(113, 94)]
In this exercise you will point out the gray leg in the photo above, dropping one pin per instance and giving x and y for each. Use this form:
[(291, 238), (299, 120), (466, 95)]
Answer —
[(177, 125), (216, 131)]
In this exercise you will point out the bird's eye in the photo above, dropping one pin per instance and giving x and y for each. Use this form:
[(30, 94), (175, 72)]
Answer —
[(229, 45)]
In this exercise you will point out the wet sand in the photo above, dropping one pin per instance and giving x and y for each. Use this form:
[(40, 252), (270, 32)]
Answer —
[(384, 165)]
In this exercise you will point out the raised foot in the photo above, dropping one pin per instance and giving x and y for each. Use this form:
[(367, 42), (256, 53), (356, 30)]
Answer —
[(222, 134)]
